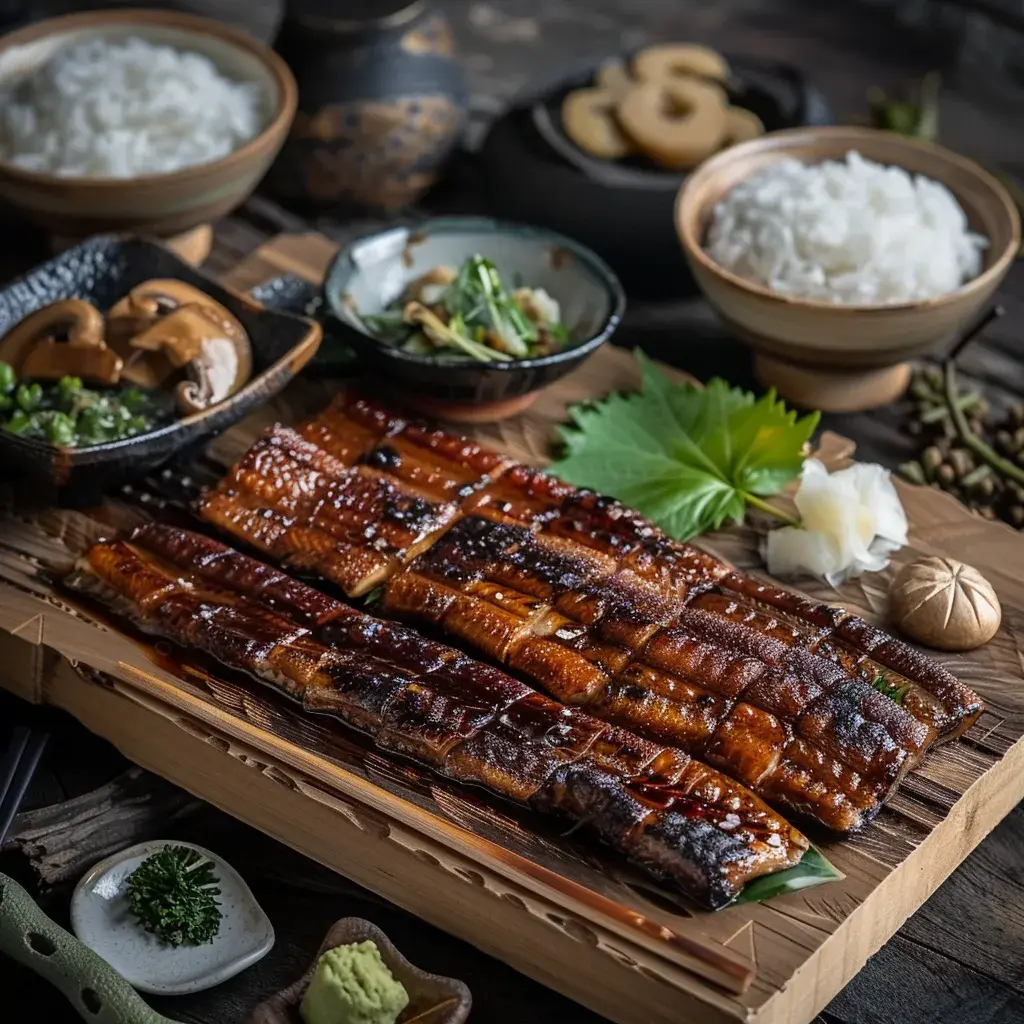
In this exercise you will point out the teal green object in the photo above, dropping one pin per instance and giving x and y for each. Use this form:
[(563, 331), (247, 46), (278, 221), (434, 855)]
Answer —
[(95, 989)]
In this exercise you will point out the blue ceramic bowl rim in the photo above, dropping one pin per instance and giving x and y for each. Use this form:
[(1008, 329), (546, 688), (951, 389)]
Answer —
[(342, 269)]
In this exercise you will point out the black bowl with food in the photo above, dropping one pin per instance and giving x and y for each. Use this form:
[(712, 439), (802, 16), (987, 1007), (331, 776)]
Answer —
[(532, 169), (117, 354), (468, 317)]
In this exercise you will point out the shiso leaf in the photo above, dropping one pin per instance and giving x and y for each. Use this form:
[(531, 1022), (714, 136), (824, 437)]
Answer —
[(690, 458), (813, 869)]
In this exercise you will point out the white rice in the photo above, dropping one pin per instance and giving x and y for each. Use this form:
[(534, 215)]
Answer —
[(123, 109), (852, 232)]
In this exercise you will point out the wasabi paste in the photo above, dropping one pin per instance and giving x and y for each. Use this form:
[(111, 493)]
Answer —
[(352, 985)]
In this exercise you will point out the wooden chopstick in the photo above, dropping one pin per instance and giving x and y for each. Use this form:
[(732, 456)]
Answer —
[(19, 764)]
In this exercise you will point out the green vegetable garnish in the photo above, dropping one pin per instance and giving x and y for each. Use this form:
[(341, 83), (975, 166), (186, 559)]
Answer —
[(473, 317), (69, 390), (813, 869), (19, 423), (171, 894), (917, 116), (478, 293), (71, 415), (60, 429), (690, 458), (893, 691), (453, 333), (28, 397)]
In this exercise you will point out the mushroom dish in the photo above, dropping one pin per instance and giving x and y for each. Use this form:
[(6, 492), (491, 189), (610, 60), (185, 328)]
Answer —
[(75, 377)]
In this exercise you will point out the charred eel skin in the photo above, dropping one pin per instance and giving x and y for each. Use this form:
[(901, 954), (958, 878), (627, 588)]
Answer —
[(815, 709), (680, 820)]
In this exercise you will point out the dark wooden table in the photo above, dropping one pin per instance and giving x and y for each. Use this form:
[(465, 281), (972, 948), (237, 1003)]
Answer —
[(961, 957)]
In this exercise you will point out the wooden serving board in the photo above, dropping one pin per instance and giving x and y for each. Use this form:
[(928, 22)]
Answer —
[(553, 906)]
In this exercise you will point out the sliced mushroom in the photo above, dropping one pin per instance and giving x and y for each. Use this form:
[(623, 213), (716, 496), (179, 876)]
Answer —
[(64, 339), (143, 307), (201, 339)]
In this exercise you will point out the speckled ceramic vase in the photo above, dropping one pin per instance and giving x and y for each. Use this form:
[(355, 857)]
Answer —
[(381, 102)]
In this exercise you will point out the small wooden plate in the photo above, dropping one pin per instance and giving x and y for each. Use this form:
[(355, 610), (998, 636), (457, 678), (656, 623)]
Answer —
[(432, 999)]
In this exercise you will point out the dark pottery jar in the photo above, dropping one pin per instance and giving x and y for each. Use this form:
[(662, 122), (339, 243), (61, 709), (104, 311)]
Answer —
[(381, 102)]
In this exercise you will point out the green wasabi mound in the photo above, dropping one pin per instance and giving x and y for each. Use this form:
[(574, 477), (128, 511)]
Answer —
[(352, 985)]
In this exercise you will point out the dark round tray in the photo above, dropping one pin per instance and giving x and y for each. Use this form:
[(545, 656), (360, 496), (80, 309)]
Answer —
[(531, 172)]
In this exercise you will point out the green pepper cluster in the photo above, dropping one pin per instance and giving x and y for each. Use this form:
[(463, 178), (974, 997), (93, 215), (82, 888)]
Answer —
[(71, 415)]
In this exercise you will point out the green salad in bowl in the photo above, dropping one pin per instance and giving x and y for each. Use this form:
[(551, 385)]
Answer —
[(469, 313)]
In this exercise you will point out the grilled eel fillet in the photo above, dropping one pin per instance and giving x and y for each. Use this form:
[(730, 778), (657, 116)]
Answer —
[(813, 708), (682, 821)]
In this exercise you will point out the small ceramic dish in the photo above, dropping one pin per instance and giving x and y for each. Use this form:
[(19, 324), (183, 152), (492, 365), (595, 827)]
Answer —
[(369, 274), (161, 204), (101, 919), (432, 999), (102, 270), (828, 356)]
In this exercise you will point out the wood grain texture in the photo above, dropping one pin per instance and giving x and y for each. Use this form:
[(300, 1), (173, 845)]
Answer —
[(801, 948)]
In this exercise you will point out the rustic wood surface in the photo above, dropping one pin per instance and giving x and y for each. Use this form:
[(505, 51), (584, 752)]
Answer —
[(795, 951), (959, 959), (778, 937)]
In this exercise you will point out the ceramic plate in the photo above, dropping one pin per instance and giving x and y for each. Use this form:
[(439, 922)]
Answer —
[(432, 998), (101, 919)]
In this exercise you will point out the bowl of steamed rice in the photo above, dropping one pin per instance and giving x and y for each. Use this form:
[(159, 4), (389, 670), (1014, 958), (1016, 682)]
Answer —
[(141, 121), (840, 253)]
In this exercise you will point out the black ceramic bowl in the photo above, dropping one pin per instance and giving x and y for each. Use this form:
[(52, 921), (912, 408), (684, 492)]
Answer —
[(102, 270), (623, 210), (369, 274)]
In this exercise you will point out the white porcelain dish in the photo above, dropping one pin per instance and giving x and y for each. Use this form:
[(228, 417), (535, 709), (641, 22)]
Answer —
[(101, 919)]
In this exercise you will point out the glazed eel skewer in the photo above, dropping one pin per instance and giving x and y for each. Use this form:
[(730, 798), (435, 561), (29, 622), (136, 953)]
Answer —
[(680, 820), (813, 708)]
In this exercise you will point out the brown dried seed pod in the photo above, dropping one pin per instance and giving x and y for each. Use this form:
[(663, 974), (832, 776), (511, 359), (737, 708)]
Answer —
[(961, 460), (931, 459)]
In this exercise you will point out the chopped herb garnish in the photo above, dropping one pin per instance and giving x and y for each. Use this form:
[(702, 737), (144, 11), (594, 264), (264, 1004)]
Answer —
[(893, 691), (470, 314), (171, 894), (71, 415)]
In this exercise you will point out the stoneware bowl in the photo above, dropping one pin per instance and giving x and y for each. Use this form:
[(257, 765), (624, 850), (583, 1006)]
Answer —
[(101, 919), (369, 274), (432, 999), (833, 357), (102, 270), (159, 204)]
